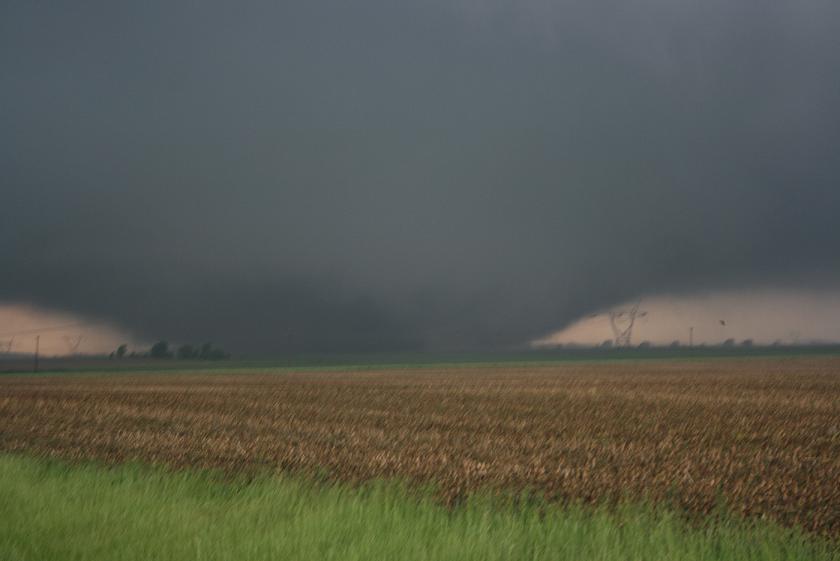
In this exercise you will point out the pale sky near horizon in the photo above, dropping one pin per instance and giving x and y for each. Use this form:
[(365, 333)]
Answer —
[(19, 325), (765, 316)]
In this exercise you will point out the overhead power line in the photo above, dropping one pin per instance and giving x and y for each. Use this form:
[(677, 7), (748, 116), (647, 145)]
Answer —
[(43, 329)]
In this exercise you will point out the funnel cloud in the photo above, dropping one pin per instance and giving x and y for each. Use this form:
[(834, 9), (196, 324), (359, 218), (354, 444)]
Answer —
[(449, 174)]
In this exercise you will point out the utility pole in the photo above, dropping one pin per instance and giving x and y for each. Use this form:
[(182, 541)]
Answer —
[(37, 348), (691, 336)]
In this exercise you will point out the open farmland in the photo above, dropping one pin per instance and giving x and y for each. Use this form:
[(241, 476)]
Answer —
[(762, 434)]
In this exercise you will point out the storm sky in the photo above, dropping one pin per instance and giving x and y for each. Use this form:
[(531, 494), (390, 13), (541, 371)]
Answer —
[(439, 174)]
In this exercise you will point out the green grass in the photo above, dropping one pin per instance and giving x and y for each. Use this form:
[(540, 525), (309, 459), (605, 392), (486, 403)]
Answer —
[(52, 511)]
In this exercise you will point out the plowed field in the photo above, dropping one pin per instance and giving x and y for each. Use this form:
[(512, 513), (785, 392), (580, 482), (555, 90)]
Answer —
[(762, 434)]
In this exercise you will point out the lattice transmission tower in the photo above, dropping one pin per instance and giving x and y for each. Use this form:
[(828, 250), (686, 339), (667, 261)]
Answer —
[(6, 346), (73, 343), (622, 322)]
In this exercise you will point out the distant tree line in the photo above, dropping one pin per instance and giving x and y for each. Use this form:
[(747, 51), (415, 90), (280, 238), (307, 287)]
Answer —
[(729, 343), (205, 352), (187, 351)]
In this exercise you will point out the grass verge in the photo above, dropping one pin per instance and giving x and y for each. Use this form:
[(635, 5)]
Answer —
[(51, 510)]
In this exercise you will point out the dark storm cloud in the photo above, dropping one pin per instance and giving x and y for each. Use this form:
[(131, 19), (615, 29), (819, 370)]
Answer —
[(382, 175)]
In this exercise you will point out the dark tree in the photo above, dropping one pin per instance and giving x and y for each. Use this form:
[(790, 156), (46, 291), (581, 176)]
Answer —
[(160, 350), (121, 350), (208, 352)]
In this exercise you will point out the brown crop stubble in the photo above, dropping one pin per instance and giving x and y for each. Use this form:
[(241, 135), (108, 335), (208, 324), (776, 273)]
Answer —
[(764, 434)]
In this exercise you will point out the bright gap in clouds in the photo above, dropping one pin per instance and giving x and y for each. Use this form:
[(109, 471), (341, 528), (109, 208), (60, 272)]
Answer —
[(60, 333), (764, 316)]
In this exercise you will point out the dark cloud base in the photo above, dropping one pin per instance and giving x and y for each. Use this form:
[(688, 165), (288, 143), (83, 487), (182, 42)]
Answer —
[(331, 177)]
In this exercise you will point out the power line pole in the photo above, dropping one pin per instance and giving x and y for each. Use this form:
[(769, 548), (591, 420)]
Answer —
[(37, 348), (691, 336)]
